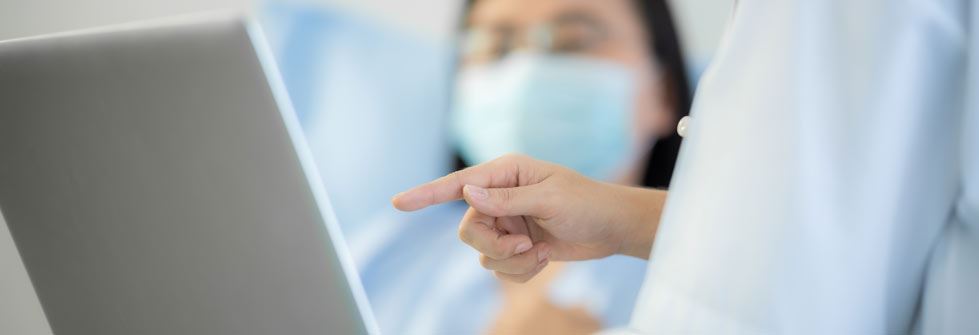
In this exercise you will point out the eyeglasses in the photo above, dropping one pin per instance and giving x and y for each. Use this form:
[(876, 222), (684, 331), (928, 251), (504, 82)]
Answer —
[(570, 35)]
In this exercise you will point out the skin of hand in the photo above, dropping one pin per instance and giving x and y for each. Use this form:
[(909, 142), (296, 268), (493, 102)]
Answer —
[(525, 212), (527, 310)]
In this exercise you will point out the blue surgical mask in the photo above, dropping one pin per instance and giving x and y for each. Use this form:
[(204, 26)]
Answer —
[(570, 110)]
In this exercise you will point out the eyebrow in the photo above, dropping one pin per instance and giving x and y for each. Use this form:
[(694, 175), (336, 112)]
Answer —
[(578, 16), (572, 16)]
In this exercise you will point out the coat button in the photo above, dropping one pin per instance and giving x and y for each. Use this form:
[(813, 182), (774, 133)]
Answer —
[(682, 126)]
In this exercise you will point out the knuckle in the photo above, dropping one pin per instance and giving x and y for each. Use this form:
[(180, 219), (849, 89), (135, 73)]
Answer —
[(495, 252), (485, 262), (512, 158), (456, 177), (465, 234), (503, 247), (506, 199)]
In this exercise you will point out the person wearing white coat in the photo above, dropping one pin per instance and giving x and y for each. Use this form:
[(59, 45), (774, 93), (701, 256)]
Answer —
[(828, 182)]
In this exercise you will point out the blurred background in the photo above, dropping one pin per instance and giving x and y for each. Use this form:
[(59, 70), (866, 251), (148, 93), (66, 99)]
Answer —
[(369, 79)]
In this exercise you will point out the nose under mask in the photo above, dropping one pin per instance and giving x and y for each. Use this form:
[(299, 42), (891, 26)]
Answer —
[(570, 110)]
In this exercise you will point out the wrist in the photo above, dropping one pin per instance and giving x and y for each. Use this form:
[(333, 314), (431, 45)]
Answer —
[(640, 210)]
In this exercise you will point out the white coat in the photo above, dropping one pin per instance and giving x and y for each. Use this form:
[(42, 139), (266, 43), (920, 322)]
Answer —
[(829, 180)]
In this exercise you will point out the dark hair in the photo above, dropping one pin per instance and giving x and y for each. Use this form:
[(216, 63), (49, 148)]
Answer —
[(664, 44)]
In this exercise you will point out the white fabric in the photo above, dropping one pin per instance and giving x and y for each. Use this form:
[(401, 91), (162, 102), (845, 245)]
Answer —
[(828, 180)]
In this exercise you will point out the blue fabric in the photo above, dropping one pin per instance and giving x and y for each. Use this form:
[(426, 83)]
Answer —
[(372, 101), (421, 279)]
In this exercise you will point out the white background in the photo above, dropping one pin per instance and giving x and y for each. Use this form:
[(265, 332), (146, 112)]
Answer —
[(20, 313)]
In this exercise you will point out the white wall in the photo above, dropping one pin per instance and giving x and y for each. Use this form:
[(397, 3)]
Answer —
[(701, 21), (434, 19), (20, 18), (20, 313)]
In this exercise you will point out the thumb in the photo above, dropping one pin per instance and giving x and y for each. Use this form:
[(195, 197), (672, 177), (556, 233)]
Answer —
[(500, 202)]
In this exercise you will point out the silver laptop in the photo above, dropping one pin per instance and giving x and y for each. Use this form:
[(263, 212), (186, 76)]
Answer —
[(155, 181)]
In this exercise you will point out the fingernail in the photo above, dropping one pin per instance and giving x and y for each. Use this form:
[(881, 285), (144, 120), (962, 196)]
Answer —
[(543, 253), (477, 192), (522, 247)]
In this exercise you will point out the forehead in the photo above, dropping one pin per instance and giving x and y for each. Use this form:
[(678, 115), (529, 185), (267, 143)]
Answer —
[(522, 13)]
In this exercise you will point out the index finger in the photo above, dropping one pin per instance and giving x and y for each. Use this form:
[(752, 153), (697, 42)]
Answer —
[(444, 189), (495, 173)]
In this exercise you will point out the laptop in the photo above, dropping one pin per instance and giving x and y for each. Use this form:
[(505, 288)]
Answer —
[(155, 181)]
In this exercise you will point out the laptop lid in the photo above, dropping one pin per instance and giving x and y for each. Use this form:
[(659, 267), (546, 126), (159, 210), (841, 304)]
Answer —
[(155, 181)]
